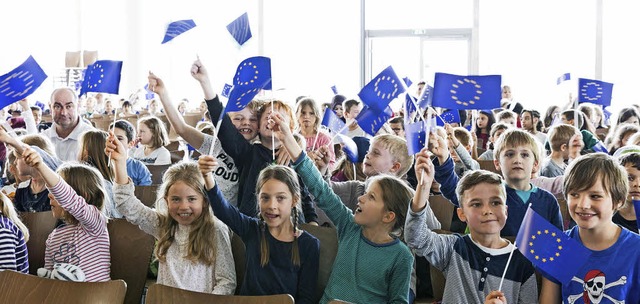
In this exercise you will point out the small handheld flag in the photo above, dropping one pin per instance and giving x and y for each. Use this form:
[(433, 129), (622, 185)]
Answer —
[(20, 82), (349, 147), (226, 90), (381, 90), (407, 81), (334, 89), (416, 136), (102, 76), (252, 75), (594, 91), (240, 29), (549, 249), (600, 147), (426, 97), (564, 77), (467, 92), (177, 28), (448, 116), (148, 95), (371, 121), (332, 121)]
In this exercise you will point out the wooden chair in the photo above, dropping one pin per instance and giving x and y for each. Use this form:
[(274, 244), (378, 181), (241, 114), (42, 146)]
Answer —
[(489, 166), (131, 250), (239, 259), (156, 173), (173, 145), (192, 119), (72, 59), (328, 238), (443, 210), (40, 225), (161, 294), (16, 287), (147, 194), (177, 156)]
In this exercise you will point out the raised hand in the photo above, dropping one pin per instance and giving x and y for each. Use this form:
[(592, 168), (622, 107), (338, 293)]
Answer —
[(32, 158), (575, 146), (424, 163), (321, 158), (156, 84), (199, 72), (114, 149), (438, 146), (206, 164)]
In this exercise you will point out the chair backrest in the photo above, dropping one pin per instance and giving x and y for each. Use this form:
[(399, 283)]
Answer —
[(177, 156), (192, 119), (156, 173), (18, 287), (40, 225), (489, 166), (443, 209), (239, 258), (131, 250), (159, 294), (564, 211), (89, 57), (173, 145), (72, 59), (328, 238), (147, 194), (338, 302)]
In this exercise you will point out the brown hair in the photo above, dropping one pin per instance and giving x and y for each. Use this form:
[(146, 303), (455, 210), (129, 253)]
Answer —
[(93, 142), (476, 177), (39, 141), (158, 131), (561, 135), (582, 173), (396, 195), (308, 102), (87, 182)]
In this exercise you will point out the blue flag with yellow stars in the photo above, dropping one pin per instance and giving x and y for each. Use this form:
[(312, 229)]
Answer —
[(426, 97), (102, 76), (371, 120), (467, 92), (594, 91), (333, 122), (550, 249), (416, 135), (448, 116), (253, 74), (20, 82), (381, 90), (240, 29), (177, 28)]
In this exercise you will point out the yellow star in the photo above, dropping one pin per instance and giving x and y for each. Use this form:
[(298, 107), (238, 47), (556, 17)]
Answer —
[(551, 259), (553, 234), (544, 260), (558, 240), (559, 247), (557, 254), (537, 257), (530, 243), (532, 251), (533, 237), (546, 231), (539, 232)]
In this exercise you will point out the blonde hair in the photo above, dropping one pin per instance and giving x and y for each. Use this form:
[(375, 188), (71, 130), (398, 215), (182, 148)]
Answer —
[(94, 143), (560, 135), (159, 136), (464, 136), (476, 177), (512, 138), (202, 243), (397, 147), (582, 174), (87, 182), (9, 211), (287, 176), (396, 195), (39, 141)]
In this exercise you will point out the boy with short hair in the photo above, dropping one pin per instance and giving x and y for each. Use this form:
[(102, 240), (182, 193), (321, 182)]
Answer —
[(397, 125), (125, 133), (472, 264), (626, 215), (516, 155), (496, 130), (352, 109), (559, 140), (595, 185)]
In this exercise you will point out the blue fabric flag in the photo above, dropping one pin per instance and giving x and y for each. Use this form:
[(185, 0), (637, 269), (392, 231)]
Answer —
[(410, 108), (426, 97), (549, 249), (416, 135), (349, 147), (334, 89), (594, 91), (600, 147), (20, 82), (176, 28), (371, 120), (226, 90), (407, 81), (448, 116), (381, 90), (467, 92), (636, 206), (253, 74), (564, 77), (148, 95), (333, 122), (240, 29), (102, 76), (40, 105)]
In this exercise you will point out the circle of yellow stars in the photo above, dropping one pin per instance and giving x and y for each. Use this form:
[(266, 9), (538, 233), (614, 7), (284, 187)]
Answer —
[(465, 81), (252, 79), (95, 85), (381, 94), (585, 87), (549, 258)]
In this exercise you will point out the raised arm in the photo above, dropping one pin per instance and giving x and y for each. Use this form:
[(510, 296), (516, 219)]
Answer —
[(29, 120)]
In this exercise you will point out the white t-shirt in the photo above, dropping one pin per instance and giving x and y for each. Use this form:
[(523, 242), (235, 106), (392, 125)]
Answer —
[(160, 156)]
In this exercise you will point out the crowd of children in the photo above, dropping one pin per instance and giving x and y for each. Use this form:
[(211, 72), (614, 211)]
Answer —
[(271, 166)]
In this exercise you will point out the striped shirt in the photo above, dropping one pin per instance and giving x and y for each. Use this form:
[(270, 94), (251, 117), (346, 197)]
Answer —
[(13, 249), (85, 244)]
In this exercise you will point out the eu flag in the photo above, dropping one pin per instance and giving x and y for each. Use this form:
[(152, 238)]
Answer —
[(226, 90), (381, 90), (20, 82), (102, 76), (176, 28), (240, 29), (371, 120), (550, 249), (416, 135), (332, 121), (600, 147), (349, 147), (563, 77), (467, 92), (448, 116), (407, 81), (410, 108), (148, 95), (594, 91), (253, 74), (426, 97), (334, 89)]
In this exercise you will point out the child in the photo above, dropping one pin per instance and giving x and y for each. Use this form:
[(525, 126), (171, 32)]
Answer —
[(194, 248), (516, 155), (344, 168), (92, 145), (152, 137), (77, 197), (567, 117), (531, 123), (595, 186), (626, 215), (472, 264), (484, 122), (309, 120), (560, 141), (496, 131), (508, 117), (137, 171), (372, 264), (279, 257), (352, 109), (460, 144), (14, 236)]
